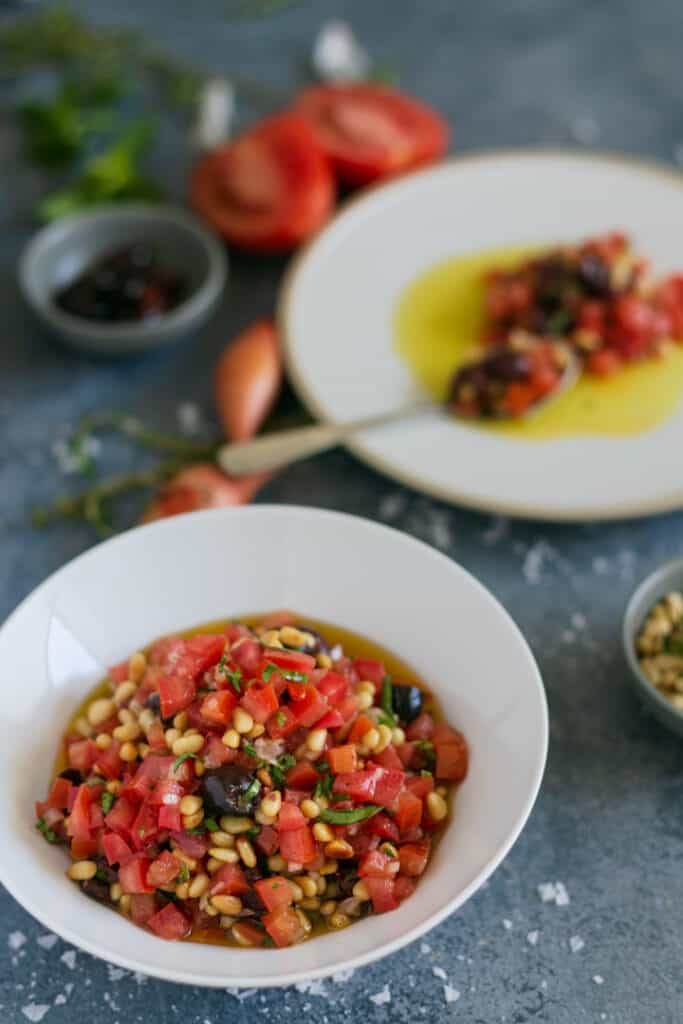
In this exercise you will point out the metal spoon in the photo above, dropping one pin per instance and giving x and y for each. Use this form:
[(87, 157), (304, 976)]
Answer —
[(286, 446)]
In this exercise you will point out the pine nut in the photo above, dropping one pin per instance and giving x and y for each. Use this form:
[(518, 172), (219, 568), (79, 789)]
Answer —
[(371, 739), (231, 739), (292, 637), (324, 661), (188, 745), (316, 740), (308, 886), (305, 923), (182, 891), (390, 850), (272, 803), (113, 786), (198, 886), (82, 870), (146, 719), (330, 867), (226, 921), (171, 735), (212, 865), (128, 752), (82, 727), (264, 776), (310, 903), (190, 804), (322, 832), (224, 854), (322, 886), (365, 686), (125, 715), (124, 691), (242, 720), (115, 892), (100, 710), (103, 741), (297, 891), (180, 721), (442, 791), (364, 700), (384, 738), (241, 936), (339, 920), (233, 825), (271, 638), (137, 666), (328, 907), (199, 767), (398, 736), (129, 731), (436, 806), (263, 819), (224, 904), (309, 808), (322, 802), (124, 903), (256, 731), (360, 891), (191, 821), (246, 852), (276, 863), (222, 839), (339, 849), (183, 857)]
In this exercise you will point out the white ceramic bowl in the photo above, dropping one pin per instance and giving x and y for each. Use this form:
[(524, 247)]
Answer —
[(191, 569)]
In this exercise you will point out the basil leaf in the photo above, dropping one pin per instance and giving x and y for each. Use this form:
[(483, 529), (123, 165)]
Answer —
[(107, 801), (350, 817), (179, 760)]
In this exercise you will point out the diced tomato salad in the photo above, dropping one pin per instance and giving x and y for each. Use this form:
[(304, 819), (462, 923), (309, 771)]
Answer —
[(254, 784)]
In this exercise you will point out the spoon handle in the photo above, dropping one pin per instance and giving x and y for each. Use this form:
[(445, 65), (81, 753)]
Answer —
[(286, 446)]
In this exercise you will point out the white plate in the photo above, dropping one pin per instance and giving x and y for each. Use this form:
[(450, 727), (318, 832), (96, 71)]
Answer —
[(340, 295), (192, 569)]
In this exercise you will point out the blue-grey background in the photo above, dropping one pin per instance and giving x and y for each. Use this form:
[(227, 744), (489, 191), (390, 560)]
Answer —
[(609, 821)]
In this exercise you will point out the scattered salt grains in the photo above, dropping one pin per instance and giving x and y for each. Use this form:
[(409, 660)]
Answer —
[(242, 993), (60, 999), (450, 994), (532, 937), (576, 943), (554, 892), (312, 988), (47, 941), (425, 948), (535, 560), (35, 1011), (439, 972), (69, 958), (341, 977), (598, 979), (115, 973), (381, 998), (16, 940), (337, 55), (507, 924)]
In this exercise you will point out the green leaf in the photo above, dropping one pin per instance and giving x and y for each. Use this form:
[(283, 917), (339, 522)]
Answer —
[(184, 873), (179, 760), (386, 699), (251, 750), (252, 790), (211, 825), (46, 831), (107, 801), (350, 817)]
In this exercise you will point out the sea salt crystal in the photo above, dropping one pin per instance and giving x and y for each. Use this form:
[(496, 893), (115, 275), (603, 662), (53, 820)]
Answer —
[(189, 417), (579, 620), (215, 113), (35, 1011), (340, 977), (381, 998), (598, 979), (16, 940), (69, 958), (554, 892), (312, 988), (337, 55), (116, 973), (450, 994), (439, 972), (576, 943), (507, 924), (425, 948), (60, 999), (600, 565), (47, 941), (532, 937)]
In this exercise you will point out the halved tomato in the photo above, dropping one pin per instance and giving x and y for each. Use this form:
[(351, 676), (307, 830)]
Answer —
[(267, 190), (371, 131)]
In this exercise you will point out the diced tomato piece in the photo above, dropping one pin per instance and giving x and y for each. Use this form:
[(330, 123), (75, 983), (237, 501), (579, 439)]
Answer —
[(82, 849), (169, 923), (145, 826), (290, 817), (406, 753), (82, 755), (163, 869), (166, 791), (348, 708), (175, 694), (382, 825), (119, 673), (409, 812), (343, 760), (422, 728), (78, 825), (268, 840), (604, 362), (333, 687), (116, 849), (403, 888), (452, 760), (275, 892), (251, 933), (359, 728), (109, 762), (302, 776), (297, 691), (370, 669), (413, 858), (388, 785), (59, 794), (260, 702), (218, 707), (170, 818), (215, 753), (376, 864), (156, 737), (298, 846), (443, 733), (330, 720), (96, 817), (142, 907), (133, 874), (389, 759), (359, 786), (382, 893), (193, 846), (283, 926), (310, 708), (290, 661), (247, 654), (420, 785), (229, 879), (281, 723), (121, 817)]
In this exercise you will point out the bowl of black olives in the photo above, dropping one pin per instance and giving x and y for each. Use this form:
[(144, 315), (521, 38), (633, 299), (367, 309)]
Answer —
[(123, 278)]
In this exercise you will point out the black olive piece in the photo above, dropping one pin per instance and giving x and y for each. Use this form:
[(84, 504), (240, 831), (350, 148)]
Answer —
[(72, 775), (153, 702), (594, 274), (406, 701), (103, 869), (225, 788), (252, 901), (96, 890), (346, 879)]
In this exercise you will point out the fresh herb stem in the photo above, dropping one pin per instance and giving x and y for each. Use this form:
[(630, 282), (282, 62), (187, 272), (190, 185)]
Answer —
[(386, 700)]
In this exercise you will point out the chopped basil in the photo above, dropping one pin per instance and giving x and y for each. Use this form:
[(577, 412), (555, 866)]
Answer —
[(46, 831), (280, 768), (184, 873), (251, 833), (290, 674), (211, 825), (179, 760), (424, 771), (101, 875), (323, 786), (252, 791), (235, 677), (268, 671), (281, 718), (350, 817), (250, 749), (426, 747), (389, 851), (107, 801), (386, 701)]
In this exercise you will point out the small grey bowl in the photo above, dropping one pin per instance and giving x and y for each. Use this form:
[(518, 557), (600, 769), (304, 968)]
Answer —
[(61, 251), (669, 577)]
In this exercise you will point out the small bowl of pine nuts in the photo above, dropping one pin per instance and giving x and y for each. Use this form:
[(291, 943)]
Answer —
[(653, 643)]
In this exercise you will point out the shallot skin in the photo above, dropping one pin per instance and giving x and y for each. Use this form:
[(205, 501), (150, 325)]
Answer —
[(247, 380)]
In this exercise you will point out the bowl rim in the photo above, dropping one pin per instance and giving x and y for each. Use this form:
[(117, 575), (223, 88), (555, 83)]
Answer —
[(70, 933), (202, 298), (632, 619)]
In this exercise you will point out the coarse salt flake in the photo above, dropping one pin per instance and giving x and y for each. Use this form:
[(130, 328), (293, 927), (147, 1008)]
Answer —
[(576, 943), (450, 994), (532, 937), (69, 958), (598, 979), (381, 998), (507, 924), (47, 941), (16, 940), (35, 1011), (439, 972)]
